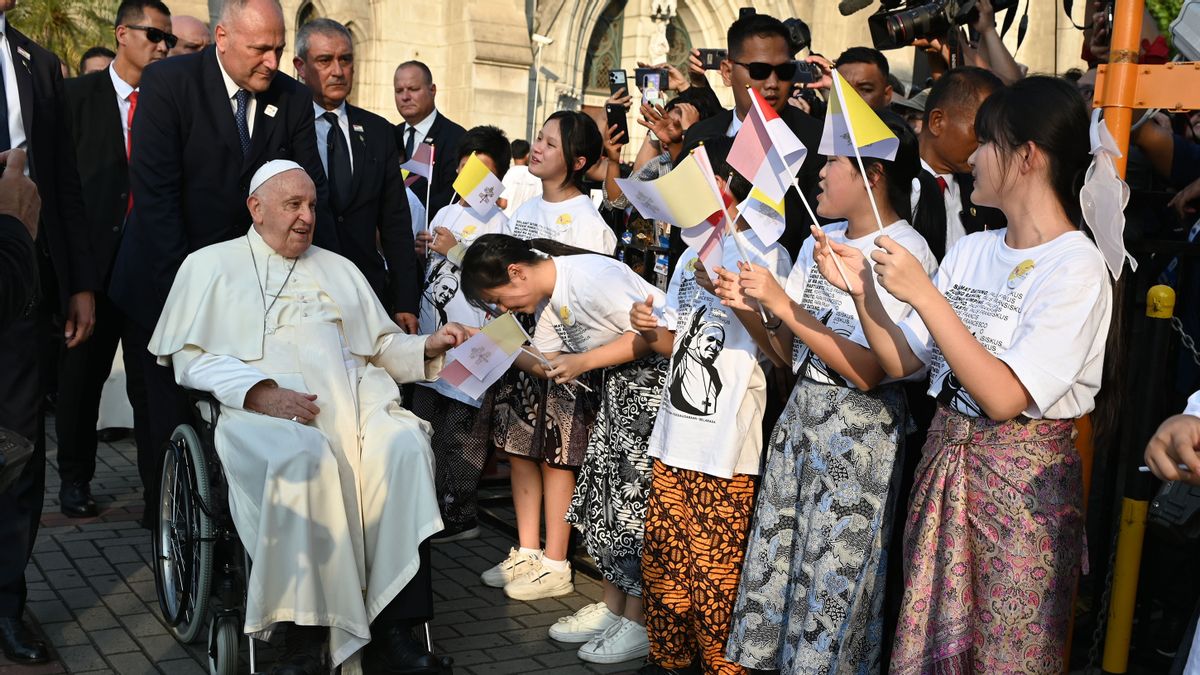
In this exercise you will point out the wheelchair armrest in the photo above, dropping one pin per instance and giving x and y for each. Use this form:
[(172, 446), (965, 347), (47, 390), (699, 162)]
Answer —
[(203, 402)]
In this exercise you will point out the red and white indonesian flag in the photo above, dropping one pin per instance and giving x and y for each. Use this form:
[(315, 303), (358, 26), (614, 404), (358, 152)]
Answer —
[(765, 150), (421, 163)]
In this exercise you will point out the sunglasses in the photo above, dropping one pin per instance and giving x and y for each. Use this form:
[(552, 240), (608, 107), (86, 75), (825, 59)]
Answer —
[(761, 71), (156, 36)]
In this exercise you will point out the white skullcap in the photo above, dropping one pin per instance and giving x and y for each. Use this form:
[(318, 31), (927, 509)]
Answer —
[(269, 170)]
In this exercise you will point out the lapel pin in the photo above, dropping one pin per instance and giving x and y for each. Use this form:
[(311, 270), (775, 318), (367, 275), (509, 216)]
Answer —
[(24, 54), (270, 111), (358, 128)]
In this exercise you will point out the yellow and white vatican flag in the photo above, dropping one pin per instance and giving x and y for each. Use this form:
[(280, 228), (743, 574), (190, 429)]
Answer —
[(852, 129), (478, 186)]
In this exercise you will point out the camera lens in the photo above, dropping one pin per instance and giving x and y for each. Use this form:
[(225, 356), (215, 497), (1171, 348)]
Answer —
[(925, 21)]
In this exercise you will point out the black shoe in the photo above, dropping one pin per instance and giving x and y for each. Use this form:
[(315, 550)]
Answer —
[(456, 533), (76, 500), (303, 651), (111, 434), (394, 650), (19, 644)]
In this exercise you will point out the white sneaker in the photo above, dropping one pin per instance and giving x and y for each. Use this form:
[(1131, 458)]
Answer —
[(509, 568), (589, 622), (537, 581), (625, 640)]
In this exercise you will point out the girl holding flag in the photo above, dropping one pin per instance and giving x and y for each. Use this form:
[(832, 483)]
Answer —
[(544, 427), (1013, 331), (583, 329), (811, 592)]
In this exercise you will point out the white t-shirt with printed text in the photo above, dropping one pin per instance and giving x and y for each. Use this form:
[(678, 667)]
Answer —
[(590, 304), (834, 307), (573, 221), (1044, 311), (711, 415)]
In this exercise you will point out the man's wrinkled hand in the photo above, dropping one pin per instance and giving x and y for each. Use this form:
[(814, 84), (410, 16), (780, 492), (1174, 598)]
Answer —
[(268, 398), (450, 335), (1175, 443)]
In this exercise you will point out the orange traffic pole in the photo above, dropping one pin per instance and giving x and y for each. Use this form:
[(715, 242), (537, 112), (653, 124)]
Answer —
[(1120, 82)]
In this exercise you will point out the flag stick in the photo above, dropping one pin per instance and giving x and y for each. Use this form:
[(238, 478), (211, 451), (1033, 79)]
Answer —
[(429, 184), (812, 214), (731, 227), (837, 86), (546, 364)]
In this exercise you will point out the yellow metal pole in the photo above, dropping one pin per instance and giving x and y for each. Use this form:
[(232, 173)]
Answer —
[(1120, 79), (1160, 305)]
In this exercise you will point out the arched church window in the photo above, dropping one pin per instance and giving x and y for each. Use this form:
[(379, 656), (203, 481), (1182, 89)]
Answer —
[(604, 48)]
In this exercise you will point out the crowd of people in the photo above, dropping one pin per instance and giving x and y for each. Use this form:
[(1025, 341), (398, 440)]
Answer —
[(850, 449)]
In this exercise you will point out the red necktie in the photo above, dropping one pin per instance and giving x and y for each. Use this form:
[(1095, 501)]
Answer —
[(942, 184), (129, 143)]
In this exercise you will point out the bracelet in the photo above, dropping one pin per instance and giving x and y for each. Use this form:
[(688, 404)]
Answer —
[(775, 326)]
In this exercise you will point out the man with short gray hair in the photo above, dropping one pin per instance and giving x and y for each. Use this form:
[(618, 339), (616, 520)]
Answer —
[(193, 35), (366, 193)]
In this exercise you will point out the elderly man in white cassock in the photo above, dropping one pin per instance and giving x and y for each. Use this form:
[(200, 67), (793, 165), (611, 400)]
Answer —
[(330, 480)]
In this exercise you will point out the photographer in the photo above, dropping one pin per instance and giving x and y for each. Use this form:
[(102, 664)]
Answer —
[(19, 209)]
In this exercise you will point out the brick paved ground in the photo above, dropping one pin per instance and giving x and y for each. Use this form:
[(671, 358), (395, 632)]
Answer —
[(91, 594)]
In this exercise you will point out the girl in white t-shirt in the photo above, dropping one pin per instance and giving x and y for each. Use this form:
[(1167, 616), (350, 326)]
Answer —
[(459, 453), (584, 334), (1012, 330), (813, 581), (544, 427)]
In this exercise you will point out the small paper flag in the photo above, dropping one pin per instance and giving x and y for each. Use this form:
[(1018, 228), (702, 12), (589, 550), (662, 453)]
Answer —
[(478, 186), (850, 122)]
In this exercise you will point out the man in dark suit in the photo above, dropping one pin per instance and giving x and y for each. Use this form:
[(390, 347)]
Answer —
[(758, 43), (205, 122), (19, 208), (424, 123), (34, 119), (101, 106), (948, 140), (366, 193)]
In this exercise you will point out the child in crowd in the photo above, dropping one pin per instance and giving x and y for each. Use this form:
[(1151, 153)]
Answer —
[(1013, 331), (459, 453), (706, 443), (811, 593), (544, 427), (583, 330)]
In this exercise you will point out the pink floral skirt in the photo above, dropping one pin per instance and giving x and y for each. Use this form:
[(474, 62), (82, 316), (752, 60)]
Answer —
[(992, 547)]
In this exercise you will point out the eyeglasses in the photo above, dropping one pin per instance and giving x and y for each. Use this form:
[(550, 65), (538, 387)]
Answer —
[(761, 71), (156, 35)]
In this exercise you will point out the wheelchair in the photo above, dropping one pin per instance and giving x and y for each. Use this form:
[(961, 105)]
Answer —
[(201, 566)]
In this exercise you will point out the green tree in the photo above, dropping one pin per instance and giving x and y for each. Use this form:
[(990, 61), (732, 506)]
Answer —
[(67, 27), (1164, 12)]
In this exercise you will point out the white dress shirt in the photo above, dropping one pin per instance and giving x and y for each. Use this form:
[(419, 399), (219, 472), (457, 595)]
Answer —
[(231, 88), (953, 201), (422, 128), (735, 125), (16, 125), (323, 133), (124, 90)]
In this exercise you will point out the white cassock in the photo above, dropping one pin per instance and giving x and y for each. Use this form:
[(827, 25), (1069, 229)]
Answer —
[(331, 512)]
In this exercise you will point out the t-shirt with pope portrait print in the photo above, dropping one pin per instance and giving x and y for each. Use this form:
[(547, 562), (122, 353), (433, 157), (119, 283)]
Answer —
[(590, 304), (1044, 311), (834, 307), (715, 395), (573, 221), (442, 299)]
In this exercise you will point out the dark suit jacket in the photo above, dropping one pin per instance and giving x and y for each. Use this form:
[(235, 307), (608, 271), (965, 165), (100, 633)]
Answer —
[(378, 207), (18, 270), (445, 134), (190, 179), (976, 218), (63, 232), (711, 132), (98, 133)]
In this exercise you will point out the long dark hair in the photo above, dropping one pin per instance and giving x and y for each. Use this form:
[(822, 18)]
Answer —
[(580, 138), (485, 264), (898, 174), (1051, 114)]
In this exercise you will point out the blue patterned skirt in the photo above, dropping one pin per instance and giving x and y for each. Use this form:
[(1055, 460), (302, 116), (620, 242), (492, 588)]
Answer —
[(811, 594)]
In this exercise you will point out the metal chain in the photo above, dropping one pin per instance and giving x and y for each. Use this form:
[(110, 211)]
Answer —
[(1186, 339), (1102, 611)]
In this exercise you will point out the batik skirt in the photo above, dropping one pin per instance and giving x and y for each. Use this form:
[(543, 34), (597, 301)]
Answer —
[(811, 594), (992, 547), (609, 504)]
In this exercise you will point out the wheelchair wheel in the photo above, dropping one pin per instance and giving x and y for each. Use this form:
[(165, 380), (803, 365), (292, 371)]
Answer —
[(223, 636), (183, 545)]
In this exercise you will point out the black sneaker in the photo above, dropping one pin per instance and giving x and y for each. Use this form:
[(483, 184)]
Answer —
[(457, 533)]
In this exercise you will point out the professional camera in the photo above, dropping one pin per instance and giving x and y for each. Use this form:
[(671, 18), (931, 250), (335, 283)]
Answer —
[(799, 34), (895, 26)]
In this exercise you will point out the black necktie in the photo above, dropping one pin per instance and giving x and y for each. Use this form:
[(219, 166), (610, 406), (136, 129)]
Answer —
[(338, 159), (239, 116), (5, 139), (409, 144)]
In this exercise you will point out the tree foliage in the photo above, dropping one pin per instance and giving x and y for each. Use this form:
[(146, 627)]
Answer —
[(67, 27), (1164, 12)]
